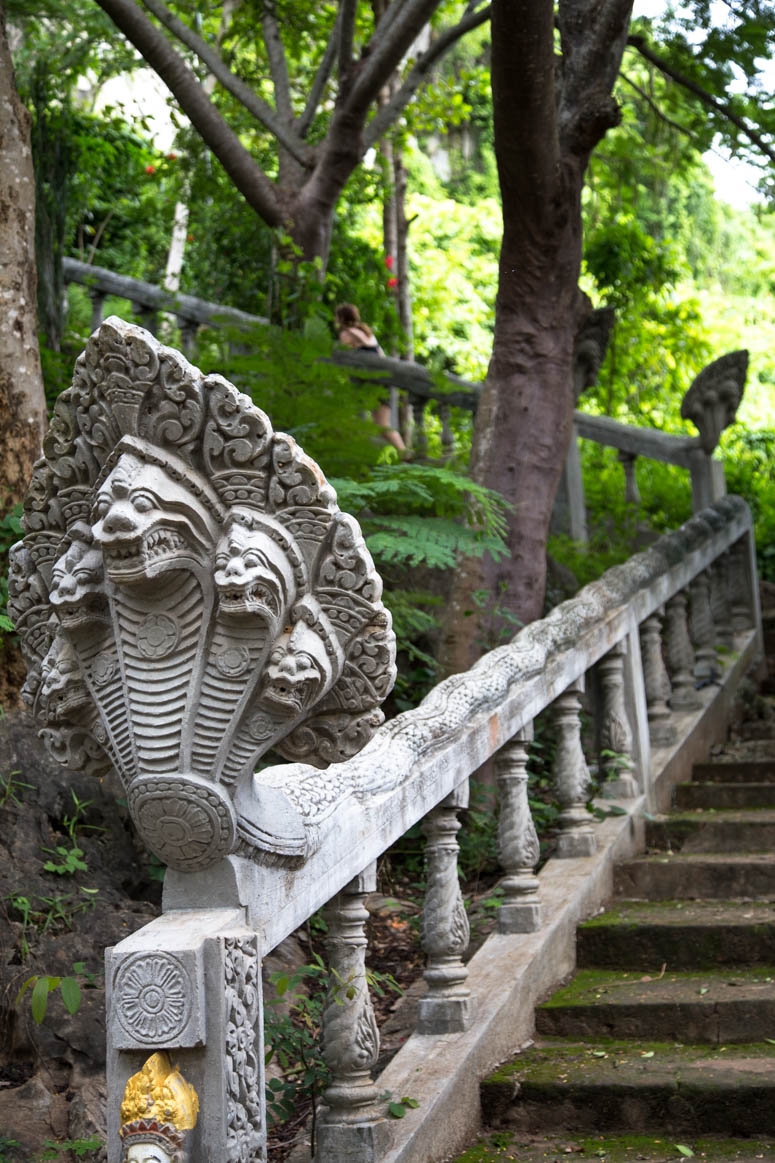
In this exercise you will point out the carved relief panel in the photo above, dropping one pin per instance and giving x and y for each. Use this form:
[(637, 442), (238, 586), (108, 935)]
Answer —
[(188, 595)]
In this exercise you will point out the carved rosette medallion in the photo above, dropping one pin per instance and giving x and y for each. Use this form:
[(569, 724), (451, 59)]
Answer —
[(152, 997), (188, 823), (189, 595)]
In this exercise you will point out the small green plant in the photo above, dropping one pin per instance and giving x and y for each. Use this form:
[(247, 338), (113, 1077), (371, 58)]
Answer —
[(9, 786), (49, 912), (7, 1145), (70, 989), (397, 1108), (77, 1147), (72, 860)]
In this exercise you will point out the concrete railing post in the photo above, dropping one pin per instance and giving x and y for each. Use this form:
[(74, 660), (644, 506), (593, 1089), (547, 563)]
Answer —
[(518, 847), (616, 742), (680, 656), (571, 777), (657, 682)]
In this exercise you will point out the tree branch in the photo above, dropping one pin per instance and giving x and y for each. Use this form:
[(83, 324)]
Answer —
[(639, 43), (321, 79), (593, 34), (346, 34), (263, 112), (248, 177), (385, 51), (655, 108), (278, 65), (419, 72)]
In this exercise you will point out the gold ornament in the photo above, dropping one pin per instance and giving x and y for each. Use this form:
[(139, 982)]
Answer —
[(159, 1093)]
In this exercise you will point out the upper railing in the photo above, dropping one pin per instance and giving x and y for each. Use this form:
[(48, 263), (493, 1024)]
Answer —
[(711, 402)]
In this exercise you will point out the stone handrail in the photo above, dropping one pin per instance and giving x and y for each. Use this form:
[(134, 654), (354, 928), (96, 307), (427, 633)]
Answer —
[(710, 403), (188, 595)]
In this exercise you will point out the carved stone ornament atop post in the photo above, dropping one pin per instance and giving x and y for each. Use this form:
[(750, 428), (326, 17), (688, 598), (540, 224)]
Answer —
[(713, 398), (188, 595)]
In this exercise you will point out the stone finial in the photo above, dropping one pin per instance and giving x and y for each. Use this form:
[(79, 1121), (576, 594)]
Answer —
[(712, 401), (189, 595), (590, 347)]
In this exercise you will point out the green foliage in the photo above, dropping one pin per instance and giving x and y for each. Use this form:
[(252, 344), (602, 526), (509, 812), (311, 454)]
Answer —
[(8, 1145), (78, 1147), (10, 532), (292, 1039), (41, 914), (749, 465), (9, 786)]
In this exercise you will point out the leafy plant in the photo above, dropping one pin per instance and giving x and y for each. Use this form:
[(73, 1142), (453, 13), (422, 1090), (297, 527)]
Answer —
[(77, 1147), (41, 986), (9, 786), (7, 1145), (72, 860), (39, 914)]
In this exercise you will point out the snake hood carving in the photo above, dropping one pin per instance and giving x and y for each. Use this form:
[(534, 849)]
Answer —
[(188, 595)]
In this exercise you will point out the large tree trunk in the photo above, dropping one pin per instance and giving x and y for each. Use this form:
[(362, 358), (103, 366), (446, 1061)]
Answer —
[(22, 399), (545, 129)]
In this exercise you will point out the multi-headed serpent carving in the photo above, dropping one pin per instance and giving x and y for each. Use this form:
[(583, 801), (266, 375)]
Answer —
[(188, 595)]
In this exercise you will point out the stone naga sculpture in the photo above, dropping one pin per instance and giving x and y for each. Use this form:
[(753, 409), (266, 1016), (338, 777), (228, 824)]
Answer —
[(714, 396), (189, 596)]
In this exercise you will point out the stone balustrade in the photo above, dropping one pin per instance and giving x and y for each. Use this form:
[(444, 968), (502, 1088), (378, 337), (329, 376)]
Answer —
[(710, 403), (187, 596)]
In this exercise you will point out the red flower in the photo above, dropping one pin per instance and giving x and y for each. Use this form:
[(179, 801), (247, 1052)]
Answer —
[(392, 282), (389, 260), (171, 157), (189, 238), (150, 169)]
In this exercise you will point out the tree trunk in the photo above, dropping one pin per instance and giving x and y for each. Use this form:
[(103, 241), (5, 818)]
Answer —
[(22, 399), (546, 125)]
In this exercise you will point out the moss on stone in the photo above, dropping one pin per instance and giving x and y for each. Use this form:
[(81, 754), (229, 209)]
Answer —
[(504, 1145)]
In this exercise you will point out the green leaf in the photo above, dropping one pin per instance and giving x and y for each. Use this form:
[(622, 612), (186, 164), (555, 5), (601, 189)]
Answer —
[(39, 1001), (396, 1110), (685, 1151), (412, 1103), (71, 994)]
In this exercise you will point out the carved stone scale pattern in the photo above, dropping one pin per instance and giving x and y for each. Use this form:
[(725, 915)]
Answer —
[(188, 595)]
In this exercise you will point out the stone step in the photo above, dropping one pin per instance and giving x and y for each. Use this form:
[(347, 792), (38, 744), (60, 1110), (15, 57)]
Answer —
[(715, 1006), (711, 831), (724, 795), (643, 935), (497, 1146), (647, 1087), (738, 771), (712, 876)]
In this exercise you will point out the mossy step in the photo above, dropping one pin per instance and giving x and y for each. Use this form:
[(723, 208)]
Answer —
[(713, 1006), (643, 935), (724, 795), (702, 876), (500, 1146), (645, 1087), (713, 831), (736, 771)]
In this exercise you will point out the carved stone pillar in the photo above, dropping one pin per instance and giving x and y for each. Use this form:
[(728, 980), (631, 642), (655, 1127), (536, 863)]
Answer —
[(631, 491), (739, 587), (350, 1036), (518, 848), (190, 984), (615, 732), (680, 656), (420, 436), (446, 1008), (571, 777), (719, 600), (656, 681), (702, 629)]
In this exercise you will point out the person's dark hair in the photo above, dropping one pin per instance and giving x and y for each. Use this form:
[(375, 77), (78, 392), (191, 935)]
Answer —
[(348, 315)]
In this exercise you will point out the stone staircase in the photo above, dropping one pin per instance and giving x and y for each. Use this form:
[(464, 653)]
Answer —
[(663, 1044)]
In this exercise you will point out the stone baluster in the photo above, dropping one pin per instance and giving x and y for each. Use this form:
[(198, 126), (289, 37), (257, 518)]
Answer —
[(188, 332), (147, 316), (420, 436), (703, 631), (518, 847), (680, 656), (571, 776), (447, 435), (615, 731), (656, 682), (350, 1041), (446, 1008), (97, 307), (631, 491), (719, 600), (739, 587)]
